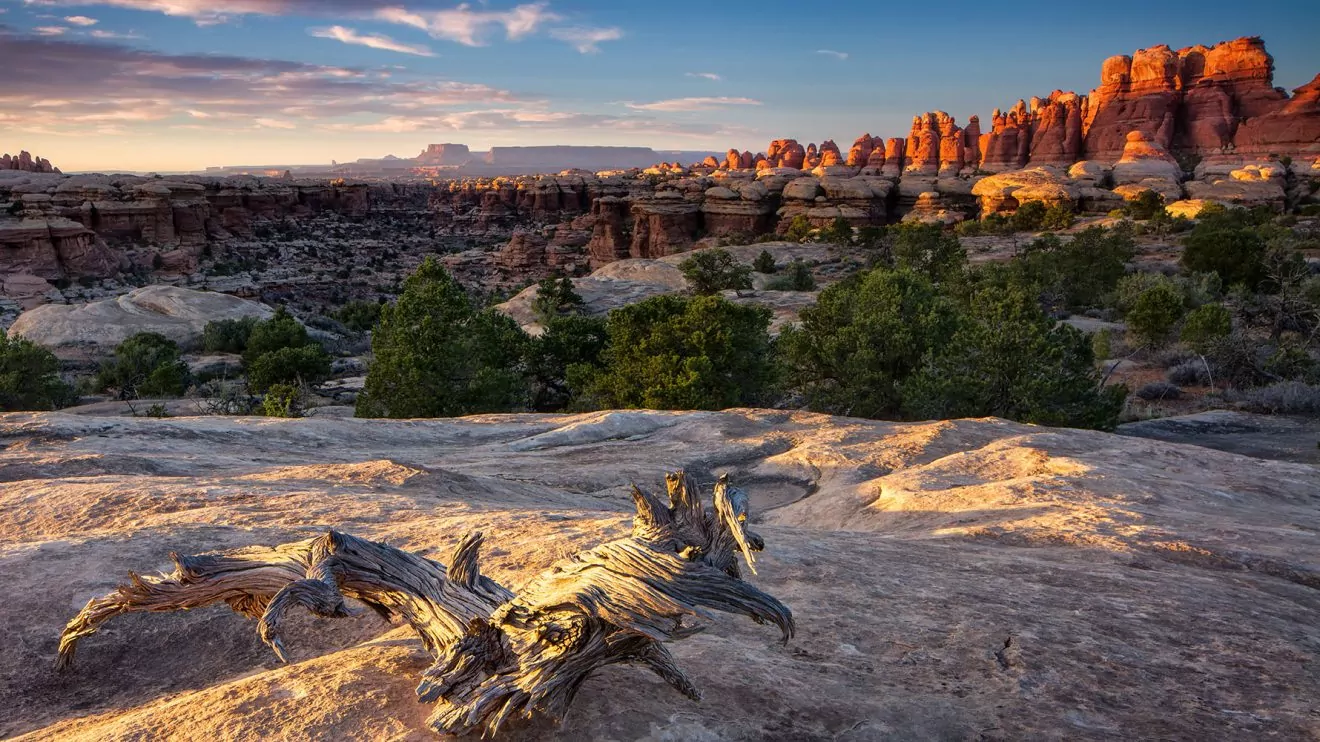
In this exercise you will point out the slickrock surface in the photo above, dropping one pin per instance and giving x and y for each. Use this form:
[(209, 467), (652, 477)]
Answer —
[(95, 329), (971, 579)]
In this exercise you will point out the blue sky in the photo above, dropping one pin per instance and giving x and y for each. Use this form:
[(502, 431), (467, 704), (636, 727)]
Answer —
[(182, 84)]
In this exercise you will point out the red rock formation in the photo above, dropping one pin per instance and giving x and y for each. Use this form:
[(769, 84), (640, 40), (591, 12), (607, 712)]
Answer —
[(972, 142), (664, 225), (829, 154), (952, 148), (1292, 130), (1056, 129), (1007, 145), (26, 162), (710, 162), (786, 153), (1137, 93), (746, 161), (609, 240), (812, 157), (894, 154), (861, 150), (922, 156), (733, 160)]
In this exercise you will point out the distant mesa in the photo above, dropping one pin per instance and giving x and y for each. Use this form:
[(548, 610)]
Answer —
[(26, 162)]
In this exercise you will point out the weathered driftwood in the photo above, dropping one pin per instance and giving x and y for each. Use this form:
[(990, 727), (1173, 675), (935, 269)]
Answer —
[(498, 654)]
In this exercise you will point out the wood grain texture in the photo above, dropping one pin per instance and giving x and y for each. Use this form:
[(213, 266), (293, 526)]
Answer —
[(499, 655)]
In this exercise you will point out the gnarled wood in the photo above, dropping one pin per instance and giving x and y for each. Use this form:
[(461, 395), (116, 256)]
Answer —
[(498, 654)]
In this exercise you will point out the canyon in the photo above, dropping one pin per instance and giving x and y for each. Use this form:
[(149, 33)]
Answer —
[(1195, 125)]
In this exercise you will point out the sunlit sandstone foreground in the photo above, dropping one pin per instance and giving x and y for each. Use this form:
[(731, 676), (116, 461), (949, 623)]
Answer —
[(952, 580)]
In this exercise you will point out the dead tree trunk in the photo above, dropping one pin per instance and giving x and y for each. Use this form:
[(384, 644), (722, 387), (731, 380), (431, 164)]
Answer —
[(498, 654)]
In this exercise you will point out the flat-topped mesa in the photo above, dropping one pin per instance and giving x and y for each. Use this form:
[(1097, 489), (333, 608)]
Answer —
[(25, 162)]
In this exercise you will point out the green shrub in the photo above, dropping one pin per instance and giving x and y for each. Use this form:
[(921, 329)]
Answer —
[(1227, 243), (1028, 217), (555, 297), (145, 365), (280, 331), (1059, 216), (1075, 274), (359, 316), (799, 230), (283, 400), (712, 271), (1155, 312), (1102, 345), (680, 353), (569, 349), (863, 338), (1146, 205), (1205, 325), (306, 365), (1008, 359), (30, 377), (227, 335), (927, 249), (438, 356), (796, 278), (764, 263), (840, 232)]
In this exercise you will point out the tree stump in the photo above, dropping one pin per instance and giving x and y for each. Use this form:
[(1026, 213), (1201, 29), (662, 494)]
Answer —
[(498, 654)]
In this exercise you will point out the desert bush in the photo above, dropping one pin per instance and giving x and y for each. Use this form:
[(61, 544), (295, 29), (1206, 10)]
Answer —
[(359, 316), (1028, 217), (1146, 205), (1009, 359), (1282, 398), (280, 331), (1228, 243), (840, 232), (555, 297), (436, 355), (1158, 390), (1206, 324), (145, 365), (928, 250), (1291, 361), (1078, 273), (304, 365), (1155, 313), (1059, 216), (227, 335), (674, 352), (283, 400), (711, 271), (764, 263), (562, 358), (1189, 373), (797, 277), (800, 229), (30, 377), (865, 336), (1102, 344)]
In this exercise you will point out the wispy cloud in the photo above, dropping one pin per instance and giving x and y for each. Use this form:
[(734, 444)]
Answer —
[(80, 20), (464, 25), (706, 75), (50, 30), (584, 38), (693, 104), (831, 53), (97, 33), (269, 123), (375, 41)]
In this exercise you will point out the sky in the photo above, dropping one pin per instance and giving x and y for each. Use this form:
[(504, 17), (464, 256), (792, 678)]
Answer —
[(184, 84)]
